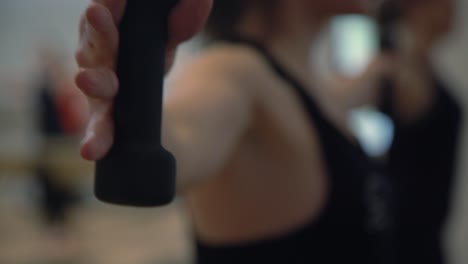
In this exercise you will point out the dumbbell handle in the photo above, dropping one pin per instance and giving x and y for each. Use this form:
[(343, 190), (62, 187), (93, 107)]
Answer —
[(138, 171)]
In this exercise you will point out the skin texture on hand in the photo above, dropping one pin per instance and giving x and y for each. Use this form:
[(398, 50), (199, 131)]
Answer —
[(96, 57)]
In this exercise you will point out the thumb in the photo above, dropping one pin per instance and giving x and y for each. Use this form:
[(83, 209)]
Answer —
[(187, 18)]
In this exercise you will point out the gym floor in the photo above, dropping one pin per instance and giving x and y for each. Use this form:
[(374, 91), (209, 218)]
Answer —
[(98, 233)]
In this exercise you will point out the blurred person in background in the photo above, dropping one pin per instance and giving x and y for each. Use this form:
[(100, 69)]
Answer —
[(280, 178), (62, 115), (427, 121)]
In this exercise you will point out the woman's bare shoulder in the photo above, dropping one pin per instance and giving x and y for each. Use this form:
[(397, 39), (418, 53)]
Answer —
[(225, 61)]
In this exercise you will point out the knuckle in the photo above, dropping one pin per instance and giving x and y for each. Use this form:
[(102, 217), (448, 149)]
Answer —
[(110, 83)]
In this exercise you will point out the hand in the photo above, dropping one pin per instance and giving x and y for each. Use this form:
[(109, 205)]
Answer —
[(96, 58)]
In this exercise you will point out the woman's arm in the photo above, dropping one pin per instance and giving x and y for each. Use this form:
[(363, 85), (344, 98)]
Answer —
[(205, 114)]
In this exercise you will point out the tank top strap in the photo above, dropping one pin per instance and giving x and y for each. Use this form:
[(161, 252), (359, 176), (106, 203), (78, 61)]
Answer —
[(307, 100)]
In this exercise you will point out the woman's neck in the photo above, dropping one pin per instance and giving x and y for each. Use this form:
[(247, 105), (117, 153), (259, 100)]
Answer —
[(289, 37)]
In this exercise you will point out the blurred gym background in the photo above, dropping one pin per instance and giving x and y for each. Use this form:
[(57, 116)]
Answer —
[(37, 42)]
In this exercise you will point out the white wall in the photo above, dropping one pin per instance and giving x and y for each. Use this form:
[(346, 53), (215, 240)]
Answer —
[(24, 24)]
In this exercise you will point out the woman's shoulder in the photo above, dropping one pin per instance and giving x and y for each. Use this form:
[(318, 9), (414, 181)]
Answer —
[(222, 60)]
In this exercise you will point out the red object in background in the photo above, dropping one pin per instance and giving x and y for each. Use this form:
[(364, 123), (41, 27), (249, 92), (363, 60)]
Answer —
[(71, 107)]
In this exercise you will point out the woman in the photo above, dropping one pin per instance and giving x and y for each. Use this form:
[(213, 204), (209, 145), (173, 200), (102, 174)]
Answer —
[(62, 117), (280, 179), (427, 120)]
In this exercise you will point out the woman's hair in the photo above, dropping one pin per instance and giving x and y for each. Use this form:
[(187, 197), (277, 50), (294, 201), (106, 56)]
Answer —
[(226, 15)]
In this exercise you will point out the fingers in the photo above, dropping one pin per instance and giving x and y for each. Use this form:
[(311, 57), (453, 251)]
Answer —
[(99, 136), (101, 84), (99, 33), (98, 38), (96, 56)]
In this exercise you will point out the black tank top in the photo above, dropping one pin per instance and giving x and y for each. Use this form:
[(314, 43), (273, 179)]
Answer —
[(356, 223)]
